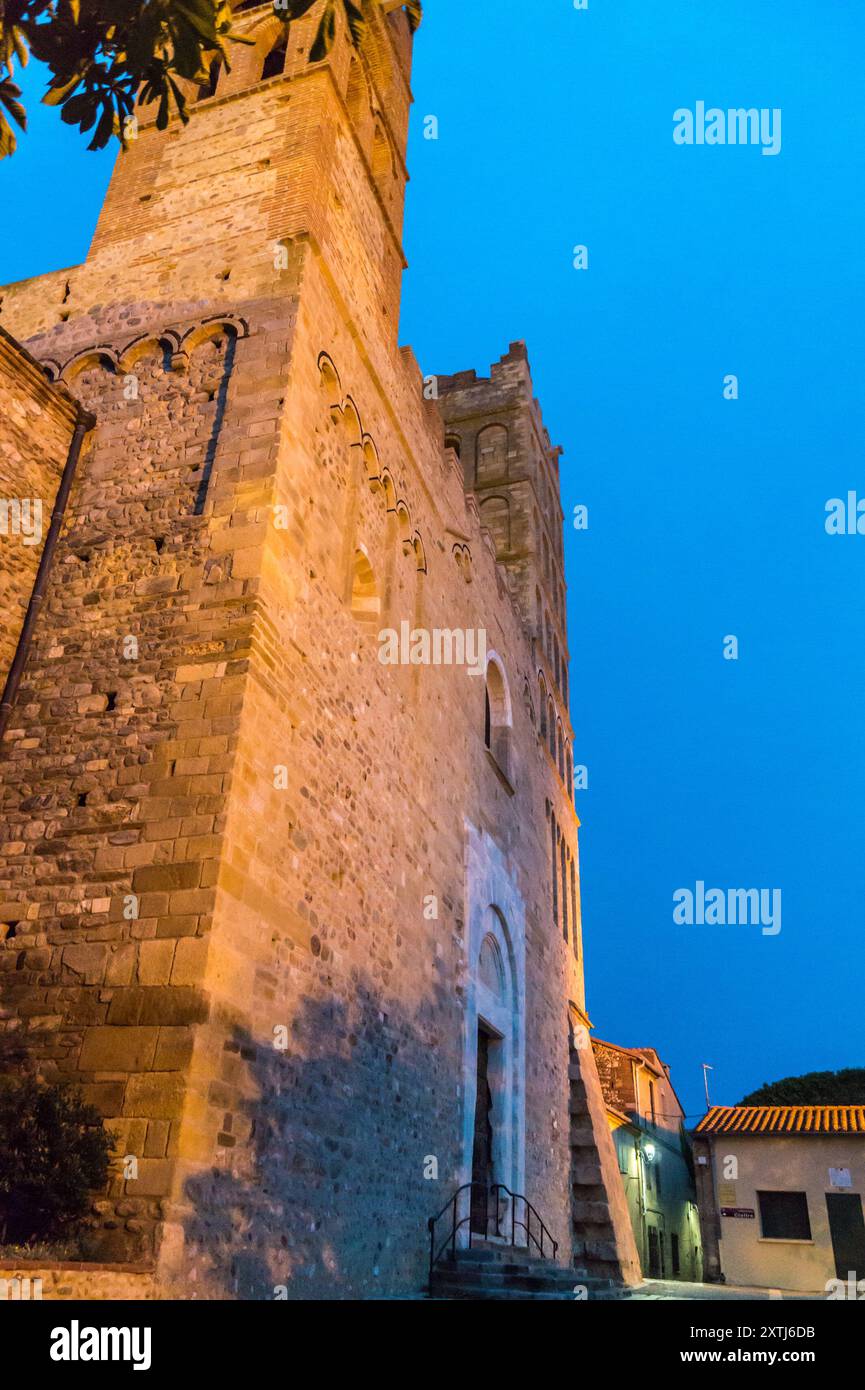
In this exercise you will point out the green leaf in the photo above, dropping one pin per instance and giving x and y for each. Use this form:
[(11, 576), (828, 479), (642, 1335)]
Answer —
[(200, 15), (58, 91), (414, 11), (356, 22), (326, 33), (104, 130), (9, 95)]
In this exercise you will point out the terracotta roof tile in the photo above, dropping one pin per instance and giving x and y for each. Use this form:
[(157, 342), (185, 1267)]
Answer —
[(783, 1119)]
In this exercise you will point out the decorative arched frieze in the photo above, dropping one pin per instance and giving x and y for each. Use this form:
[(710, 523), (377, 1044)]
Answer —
[(51, 367), (351, 422), (419, 552), (370, 458), (150, 344), (212, 327), (463, 557), (403, 519), (102, 356)]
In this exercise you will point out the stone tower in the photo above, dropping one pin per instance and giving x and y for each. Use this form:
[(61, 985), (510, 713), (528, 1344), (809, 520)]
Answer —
[(282, 910)]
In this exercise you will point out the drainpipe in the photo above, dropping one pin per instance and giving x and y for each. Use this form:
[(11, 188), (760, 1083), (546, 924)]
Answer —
[(84, 422)]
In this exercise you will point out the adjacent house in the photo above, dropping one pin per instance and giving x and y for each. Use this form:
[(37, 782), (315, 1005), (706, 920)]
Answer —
[(655, 1163), (780, 1194)]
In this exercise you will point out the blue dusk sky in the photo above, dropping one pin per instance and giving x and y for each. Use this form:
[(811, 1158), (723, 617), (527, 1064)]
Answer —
[(706, 515)]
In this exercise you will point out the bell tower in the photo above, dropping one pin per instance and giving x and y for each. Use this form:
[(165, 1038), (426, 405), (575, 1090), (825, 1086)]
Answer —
[(277, 153), (512, 469)]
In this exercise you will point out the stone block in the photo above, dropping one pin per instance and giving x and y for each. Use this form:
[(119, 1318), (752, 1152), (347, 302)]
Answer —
[(162, 1005), (189, 961), (118, 1049), (154, 962), (158, 878)]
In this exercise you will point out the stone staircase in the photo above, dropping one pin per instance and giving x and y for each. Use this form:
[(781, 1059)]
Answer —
[(494, 1273), (603, 1246)]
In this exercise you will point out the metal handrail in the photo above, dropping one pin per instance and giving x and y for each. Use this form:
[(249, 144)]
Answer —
[(527, 1224), (457, 1223)]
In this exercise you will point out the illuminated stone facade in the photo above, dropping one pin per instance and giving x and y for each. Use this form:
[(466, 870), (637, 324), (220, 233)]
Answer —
[(266, 889)]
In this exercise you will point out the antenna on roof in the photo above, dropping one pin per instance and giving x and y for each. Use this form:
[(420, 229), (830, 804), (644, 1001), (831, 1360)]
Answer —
[(706, 1069)]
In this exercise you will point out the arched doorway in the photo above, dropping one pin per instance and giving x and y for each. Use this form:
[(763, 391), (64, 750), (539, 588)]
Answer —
[(496, 1131)]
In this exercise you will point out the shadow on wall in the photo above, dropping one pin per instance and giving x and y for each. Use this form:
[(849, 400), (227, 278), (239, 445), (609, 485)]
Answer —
[(336, 1151)]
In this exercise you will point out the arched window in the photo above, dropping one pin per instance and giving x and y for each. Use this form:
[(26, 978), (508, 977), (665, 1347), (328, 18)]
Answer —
[(575, 934), (555, 870), (564, 680), (551, 724), (543, 689), (491, 463), (365, 600), (274, 63), (563, 858), (561, 750), (497, 718), (569, 773), (495, 512), (453, 441)]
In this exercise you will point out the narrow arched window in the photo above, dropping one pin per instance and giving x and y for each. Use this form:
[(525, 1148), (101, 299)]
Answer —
[(543, 703), (564, 890), (497, 716), (555, 871), (495, 512), (492, 455), (274, 63)]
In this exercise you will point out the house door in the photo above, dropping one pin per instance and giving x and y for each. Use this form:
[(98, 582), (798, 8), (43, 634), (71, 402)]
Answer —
[(482, 1151), (847, 1227)]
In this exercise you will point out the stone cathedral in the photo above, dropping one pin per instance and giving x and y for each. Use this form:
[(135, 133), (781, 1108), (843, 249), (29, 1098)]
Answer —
[(303, 924)]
